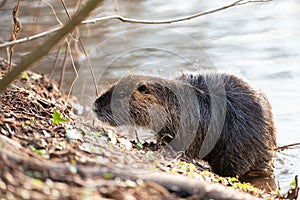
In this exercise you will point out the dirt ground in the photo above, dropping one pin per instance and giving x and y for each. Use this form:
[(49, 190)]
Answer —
[(47, 152)]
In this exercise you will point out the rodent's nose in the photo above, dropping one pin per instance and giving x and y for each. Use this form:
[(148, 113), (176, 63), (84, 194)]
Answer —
[(95, 107)]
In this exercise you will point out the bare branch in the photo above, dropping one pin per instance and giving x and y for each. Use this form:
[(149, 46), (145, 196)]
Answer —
[(167, 21), (30, 38), (42, 50), (136, 21)]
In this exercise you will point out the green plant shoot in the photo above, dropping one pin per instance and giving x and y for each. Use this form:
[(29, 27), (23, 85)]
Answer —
[(58, 118)]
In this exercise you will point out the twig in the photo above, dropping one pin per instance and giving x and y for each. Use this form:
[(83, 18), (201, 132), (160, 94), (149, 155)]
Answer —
[(167, 21), (53, 11), (42, 50), (136, 21), (30, 38), (253, 1), (286, 146), (63, 68), (116, 6), (16, 29), (86, 56), (54, 66), (75, 70)]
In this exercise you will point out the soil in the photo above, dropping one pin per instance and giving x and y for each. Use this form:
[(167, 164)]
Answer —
[(47, 152)]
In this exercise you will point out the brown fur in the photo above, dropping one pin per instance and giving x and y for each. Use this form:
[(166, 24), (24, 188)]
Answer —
[(219, 118)]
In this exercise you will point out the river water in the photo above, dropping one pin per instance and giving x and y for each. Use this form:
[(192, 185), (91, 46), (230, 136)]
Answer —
[(259, 41)]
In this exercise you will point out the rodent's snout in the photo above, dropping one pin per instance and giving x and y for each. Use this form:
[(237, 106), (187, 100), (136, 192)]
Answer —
[(103, 112), (95, 107), (98, 111)]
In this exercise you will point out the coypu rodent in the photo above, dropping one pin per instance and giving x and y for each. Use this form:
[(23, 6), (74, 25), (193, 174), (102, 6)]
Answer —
[(217, 117)]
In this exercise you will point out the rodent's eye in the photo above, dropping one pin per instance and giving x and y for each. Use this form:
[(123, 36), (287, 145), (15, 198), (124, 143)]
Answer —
[(143, 89)]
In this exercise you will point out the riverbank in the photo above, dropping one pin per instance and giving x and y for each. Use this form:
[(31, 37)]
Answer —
[(47, 152)]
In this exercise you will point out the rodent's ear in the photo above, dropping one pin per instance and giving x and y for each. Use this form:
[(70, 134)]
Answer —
[(142, 88)]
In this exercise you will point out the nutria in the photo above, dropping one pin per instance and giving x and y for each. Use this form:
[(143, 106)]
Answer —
[(217, 117)]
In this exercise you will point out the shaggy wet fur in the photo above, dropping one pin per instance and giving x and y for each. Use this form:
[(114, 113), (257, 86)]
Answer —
[(219, 118)]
